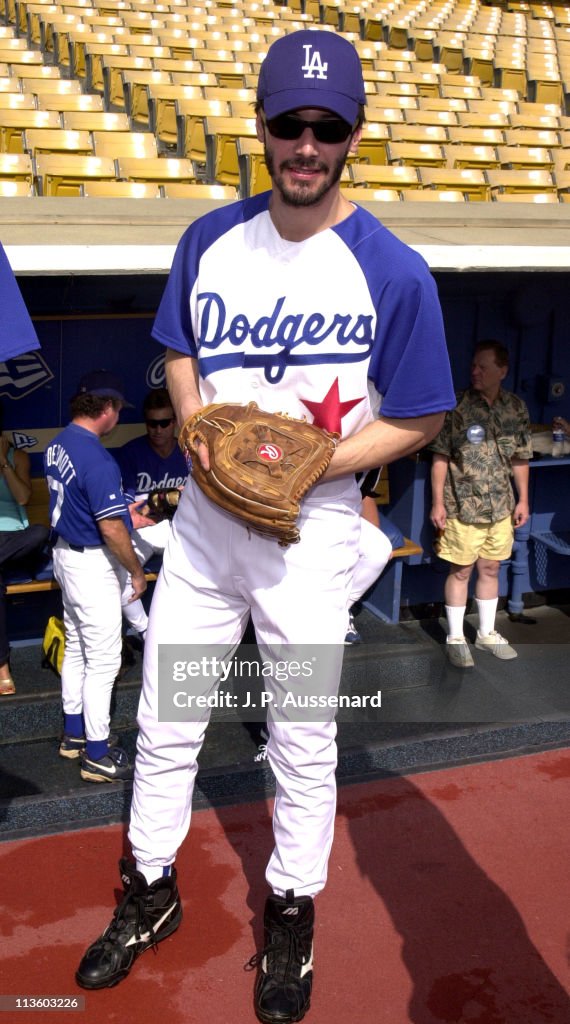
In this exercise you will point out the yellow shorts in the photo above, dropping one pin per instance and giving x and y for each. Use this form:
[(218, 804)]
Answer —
[(463, 543)]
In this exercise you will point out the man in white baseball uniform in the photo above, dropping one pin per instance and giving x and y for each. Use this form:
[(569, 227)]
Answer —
[(300, 300)]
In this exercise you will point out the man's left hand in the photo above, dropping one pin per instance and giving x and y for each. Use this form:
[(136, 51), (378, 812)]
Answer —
[(521, 514), (139, 521)]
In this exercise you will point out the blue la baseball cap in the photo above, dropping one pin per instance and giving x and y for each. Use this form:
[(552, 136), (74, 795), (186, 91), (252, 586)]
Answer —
[(104, 383), (311, 68)]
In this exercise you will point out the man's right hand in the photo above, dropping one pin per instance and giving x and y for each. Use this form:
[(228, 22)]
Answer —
[(438, 516), (138, 583)]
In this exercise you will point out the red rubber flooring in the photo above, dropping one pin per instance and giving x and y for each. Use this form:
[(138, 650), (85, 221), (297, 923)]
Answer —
[(448, 901)]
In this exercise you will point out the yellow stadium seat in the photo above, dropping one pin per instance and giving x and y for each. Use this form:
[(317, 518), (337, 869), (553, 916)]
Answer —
[(95, 121), (51, 86), (420, 133), (525, 197), (476, 136), (190, 117), (16, 167), (15, 188), (56, 140), (17, 101), (373, 142), (157, 169), (471, 181), (221, 154), (534, 180), (13, 124), (436, 117), (416, 154), (429, 195), (372, 195), (121, 144), (472, 156), (64, 174), (396, 176), (121, 189), (135, 92), (79, 102), (162, 101), (524, 156), (178, 190), (253, 173)]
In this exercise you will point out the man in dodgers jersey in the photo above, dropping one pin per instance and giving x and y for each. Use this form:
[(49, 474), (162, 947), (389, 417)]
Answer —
[(147, 463), (91, 558), (303, 302)]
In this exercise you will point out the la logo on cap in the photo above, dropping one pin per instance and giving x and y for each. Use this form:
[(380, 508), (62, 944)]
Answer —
[(314, 66)]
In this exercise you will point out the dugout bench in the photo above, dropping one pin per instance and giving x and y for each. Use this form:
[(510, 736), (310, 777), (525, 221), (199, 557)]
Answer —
[(383, 598)]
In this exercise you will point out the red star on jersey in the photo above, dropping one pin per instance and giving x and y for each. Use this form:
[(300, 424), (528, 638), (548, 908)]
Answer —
[(328, 414)]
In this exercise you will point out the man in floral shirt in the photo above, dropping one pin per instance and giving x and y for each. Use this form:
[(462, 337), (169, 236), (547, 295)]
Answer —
[(482, 449)]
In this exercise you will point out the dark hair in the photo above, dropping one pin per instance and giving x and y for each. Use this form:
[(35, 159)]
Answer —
[(92, 405), (500, 351), (158, 398)]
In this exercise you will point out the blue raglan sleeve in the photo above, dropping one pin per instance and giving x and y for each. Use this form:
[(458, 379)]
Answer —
[(410, 363)]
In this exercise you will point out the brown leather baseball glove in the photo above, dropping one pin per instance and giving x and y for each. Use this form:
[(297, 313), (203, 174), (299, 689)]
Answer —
[(261, 464)]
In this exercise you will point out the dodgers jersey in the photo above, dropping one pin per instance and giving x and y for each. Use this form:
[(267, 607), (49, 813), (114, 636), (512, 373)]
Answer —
[(84, 486), (331, 328), (17, 333), (144, 470)]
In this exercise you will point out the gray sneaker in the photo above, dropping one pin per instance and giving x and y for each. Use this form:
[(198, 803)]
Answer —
[(458, 653), (495, 644)]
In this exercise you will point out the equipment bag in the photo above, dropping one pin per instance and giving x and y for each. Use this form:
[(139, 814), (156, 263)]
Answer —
[(53, 644)]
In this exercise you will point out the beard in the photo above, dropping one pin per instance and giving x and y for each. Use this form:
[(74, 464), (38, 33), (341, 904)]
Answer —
[(303, 193)]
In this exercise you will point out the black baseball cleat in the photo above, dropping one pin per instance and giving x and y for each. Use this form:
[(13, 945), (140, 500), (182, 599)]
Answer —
[(113, 767), (146, 916), (72, 746), (283, 987)]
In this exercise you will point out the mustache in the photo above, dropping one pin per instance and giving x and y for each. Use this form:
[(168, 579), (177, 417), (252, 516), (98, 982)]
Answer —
[(303, 165)]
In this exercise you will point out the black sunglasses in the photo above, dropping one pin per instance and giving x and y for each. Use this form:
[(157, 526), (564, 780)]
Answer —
[(330, 131), (153, 424)]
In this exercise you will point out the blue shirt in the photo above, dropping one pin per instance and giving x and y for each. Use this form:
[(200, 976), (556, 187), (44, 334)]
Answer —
[(143, 470), (84, 486)]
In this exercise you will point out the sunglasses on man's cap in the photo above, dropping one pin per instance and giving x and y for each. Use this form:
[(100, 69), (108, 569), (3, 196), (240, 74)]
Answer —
[(330, 131)]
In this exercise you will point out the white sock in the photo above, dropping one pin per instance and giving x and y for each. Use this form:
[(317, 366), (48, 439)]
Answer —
[(487, 610), (455, 618), (152, 873)]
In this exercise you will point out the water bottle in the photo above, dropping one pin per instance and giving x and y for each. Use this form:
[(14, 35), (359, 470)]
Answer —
[(558, 445)]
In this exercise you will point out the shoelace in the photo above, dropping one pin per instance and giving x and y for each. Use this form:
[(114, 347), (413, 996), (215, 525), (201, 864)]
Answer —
[(286, 951), (139, 918)]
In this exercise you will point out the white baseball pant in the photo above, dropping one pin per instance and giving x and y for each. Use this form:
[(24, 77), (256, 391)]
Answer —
[(148, 541), (91, 593), (214, 571), (373, 555)]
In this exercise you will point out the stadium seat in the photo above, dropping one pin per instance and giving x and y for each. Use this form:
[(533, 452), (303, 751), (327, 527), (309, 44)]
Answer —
[(95, 121), (525, 197), (394, 176), (121, 189), (253, 173), (135, 92), (429, 195), (190, 115), (470, 181), (15, 188), (162, 101), (221, 153), (419, 133), (17, 101), (372, 195), (121, 144), (13, 124), (56, 140), (178, 190), (78, 102), (373, 142), (472, 156), (61, 174), (157, 169), (524, 156), (416, 154), (16, 167), (533, 180)]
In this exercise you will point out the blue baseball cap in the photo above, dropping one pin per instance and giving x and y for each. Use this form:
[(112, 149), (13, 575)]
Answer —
[(311, 68), (104, 383)]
